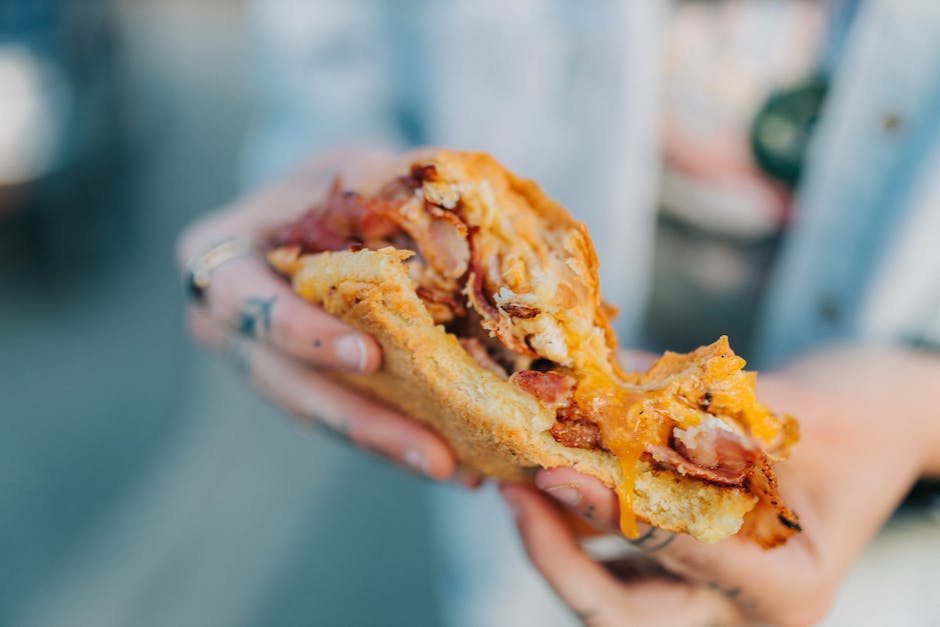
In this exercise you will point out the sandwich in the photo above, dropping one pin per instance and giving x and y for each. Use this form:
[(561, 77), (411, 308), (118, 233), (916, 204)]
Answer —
[(484, 296)]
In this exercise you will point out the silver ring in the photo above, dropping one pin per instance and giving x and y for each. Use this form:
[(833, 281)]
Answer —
[(201, 266)]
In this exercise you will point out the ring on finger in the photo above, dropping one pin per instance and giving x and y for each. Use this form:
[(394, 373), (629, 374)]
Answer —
[(200, 267)]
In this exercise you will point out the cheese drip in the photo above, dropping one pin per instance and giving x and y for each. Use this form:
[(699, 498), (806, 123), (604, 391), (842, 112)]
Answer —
[(622, 430)]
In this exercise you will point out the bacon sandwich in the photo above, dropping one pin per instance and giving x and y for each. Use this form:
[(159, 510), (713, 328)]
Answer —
[(484, 295)]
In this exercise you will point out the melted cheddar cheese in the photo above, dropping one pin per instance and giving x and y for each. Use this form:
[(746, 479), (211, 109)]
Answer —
[(634, 410)]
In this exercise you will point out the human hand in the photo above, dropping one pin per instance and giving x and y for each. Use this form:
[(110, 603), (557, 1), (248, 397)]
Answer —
[(284, 344), (867, 433)]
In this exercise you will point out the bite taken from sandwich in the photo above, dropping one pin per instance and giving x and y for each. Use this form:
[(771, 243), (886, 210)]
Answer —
[(484, 296)]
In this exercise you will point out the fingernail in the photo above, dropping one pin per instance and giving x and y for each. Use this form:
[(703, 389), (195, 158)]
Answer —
[(350, 350), (565, 494), (417, 461)]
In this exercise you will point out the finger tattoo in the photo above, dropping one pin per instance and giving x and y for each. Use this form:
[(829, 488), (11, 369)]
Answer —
[(639, 542), (653, 540), (662, 545), (254, 318)]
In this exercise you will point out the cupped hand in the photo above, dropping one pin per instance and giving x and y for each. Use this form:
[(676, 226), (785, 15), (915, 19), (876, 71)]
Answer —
[(284, 344), (868, 432)]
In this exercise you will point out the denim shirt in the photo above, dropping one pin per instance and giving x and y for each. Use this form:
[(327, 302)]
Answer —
[(872, 153)]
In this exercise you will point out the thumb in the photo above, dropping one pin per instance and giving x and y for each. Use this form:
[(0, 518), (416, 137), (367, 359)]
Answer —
[(589, 589)]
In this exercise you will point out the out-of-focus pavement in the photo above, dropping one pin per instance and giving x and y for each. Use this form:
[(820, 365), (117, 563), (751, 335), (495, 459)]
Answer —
[(141, 482)]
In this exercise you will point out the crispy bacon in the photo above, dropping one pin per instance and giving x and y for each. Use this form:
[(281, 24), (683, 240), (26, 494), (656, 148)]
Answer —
[(497, 321), (519, 311), (552, 389), (313, 233), (576, 428), (440, 236), (421, 172), (713, 444), (441, 297), (345, 219), (669, 457), (710, 450), (771, 522), (474, 287), (580, 433)]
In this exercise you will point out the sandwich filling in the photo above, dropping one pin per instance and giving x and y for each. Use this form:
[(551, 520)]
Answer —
[(522, 298)]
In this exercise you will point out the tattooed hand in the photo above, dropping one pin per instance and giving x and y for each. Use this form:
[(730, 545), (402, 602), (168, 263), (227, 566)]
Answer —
[(847, 474), (281, 342)]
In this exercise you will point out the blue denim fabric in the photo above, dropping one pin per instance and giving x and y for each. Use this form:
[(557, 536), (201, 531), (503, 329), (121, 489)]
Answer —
[(880, 126)]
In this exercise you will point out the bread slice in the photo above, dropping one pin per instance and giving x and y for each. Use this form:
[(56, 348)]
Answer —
[(537, 271)]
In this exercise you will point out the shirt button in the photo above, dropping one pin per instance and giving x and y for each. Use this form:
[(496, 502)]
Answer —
[(892, 122)]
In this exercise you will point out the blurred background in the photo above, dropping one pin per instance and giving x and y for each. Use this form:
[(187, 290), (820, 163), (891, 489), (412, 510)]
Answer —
[(120, 122), (131, 495)]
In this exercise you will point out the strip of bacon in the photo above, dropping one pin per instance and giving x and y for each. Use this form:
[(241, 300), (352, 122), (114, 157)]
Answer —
[(579, 433), (474, 287), (669, 457), (344, 219), (520, 311), (713, 444), (551, 389), (440, 235)]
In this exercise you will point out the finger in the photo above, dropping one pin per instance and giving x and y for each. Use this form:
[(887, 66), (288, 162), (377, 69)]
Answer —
[(736, 568), (586, 496), (582, 584), (251, 299), (590, 590), (598, 505), (313, 398), (595, 502)]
